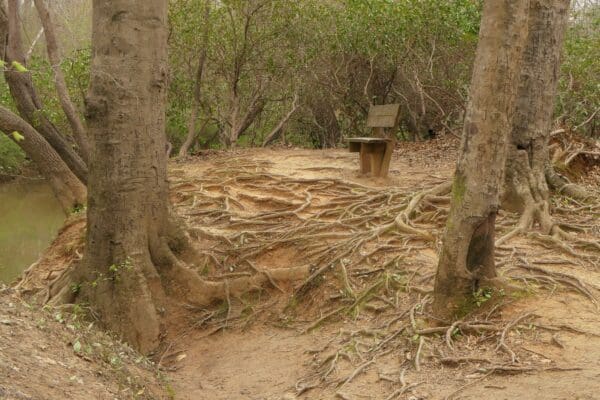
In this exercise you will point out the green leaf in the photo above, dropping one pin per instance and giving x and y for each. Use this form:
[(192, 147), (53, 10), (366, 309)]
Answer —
[(77, 346), (2, 63), (19, 67), (17, 136)]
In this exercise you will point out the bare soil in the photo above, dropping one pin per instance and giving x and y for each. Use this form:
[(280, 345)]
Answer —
[(53, 354), (357, 327)]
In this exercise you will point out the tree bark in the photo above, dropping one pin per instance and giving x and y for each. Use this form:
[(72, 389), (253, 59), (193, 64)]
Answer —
[(128, 211), (526, 189), (68, 189), (191, 135), (466, 262), (23, 92), (131, 236), (79, 133)]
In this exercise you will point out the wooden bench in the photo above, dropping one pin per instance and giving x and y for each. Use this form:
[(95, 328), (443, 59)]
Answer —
[(376, 152)]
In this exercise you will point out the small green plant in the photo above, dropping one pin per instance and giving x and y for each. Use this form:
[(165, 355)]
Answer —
[(58, 317), (17, 136), (456, 333), (78, 209), (477, 299), (116, 269), (11, 156), (19, 67), (75, 288), (482, 295), (77, 346), (170, 391)]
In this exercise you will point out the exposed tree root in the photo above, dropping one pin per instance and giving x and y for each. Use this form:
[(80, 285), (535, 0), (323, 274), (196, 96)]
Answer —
[(536, 222), (246, 225), (369, 251), (560, 184), (366, 244), (141, 284)]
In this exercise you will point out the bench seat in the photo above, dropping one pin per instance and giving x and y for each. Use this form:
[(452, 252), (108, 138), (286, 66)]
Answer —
[(376, 152)]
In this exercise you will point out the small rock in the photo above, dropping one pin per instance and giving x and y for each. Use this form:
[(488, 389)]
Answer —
[(46, 360)]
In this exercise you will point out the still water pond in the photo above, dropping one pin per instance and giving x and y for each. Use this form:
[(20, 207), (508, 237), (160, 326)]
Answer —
[(30, 217)]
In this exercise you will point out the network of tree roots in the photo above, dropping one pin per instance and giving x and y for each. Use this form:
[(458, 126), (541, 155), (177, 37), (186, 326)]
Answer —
[(337, 250)]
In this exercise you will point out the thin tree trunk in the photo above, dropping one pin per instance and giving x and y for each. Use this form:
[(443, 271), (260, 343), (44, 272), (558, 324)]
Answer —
[(326, 121), (191, 135), (232, 135), (279, 128), (526, 190), (33, 43), (239, 126), (466, 262), (68, 189), (79, 133), (23, 92), (254, 110)]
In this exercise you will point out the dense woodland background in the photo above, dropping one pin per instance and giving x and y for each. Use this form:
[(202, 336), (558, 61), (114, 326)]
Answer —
[(249, 72)]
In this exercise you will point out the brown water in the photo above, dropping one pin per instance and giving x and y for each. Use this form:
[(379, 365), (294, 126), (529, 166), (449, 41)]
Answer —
[(30, 217)]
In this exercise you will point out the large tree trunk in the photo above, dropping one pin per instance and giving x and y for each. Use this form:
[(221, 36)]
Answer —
[(69, 191), (77, 127), (131, 237), (466, 262), (128, 212), (23, 92), (525, 189)]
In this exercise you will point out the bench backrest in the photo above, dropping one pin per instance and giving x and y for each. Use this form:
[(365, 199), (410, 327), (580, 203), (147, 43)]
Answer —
[(385, 116)]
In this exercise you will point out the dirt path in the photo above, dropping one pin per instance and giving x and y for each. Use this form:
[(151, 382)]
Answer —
[(257, 364), (50, 355)]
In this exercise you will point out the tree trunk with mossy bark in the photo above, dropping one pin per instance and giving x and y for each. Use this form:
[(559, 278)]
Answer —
[(466, 262), (526, 189)]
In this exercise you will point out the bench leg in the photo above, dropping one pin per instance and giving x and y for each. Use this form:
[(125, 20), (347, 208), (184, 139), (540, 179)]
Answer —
[(376, 159), (365, 160), (387, 158)]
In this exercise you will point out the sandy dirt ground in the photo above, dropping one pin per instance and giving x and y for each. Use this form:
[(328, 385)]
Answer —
[(266, 362), (360, 329)]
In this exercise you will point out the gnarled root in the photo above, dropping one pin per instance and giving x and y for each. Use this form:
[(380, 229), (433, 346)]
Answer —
[(402, 221), (533, 213), (562, 185), (130, 297), (526, 191)]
